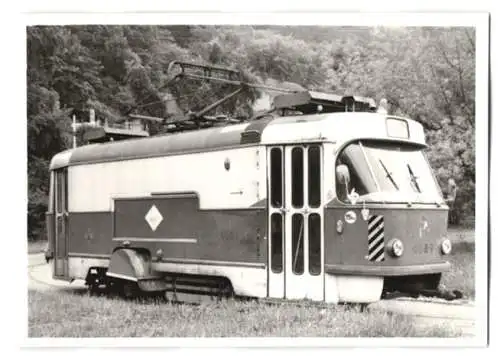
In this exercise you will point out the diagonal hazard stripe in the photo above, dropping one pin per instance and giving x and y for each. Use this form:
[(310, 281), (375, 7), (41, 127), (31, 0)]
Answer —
[(381, 257), (375, 221), (374, 254), (376, 231), (374, 217), (376, 241)]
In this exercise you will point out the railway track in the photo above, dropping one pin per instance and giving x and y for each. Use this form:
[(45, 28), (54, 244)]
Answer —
[(459, 314), (39, 276)]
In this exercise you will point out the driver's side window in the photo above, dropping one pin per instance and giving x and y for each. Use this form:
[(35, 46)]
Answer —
[(355, 181)]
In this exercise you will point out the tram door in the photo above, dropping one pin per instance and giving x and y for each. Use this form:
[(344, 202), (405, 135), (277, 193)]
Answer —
[(296, 247), (61, 225)]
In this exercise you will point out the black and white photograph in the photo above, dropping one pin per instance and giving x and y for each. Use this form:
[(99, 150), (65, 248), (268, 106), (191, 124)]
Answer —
[(266, 178)]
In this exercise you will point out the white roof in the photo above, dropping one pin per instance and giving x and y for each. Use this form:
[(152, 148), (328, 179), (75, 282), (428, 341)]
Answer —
[(330, 127), (336, 127)]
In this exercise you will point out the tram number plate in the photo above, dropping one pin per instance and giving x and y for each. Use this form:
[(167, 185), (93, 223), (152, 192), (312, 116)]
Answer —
[(425, 248)]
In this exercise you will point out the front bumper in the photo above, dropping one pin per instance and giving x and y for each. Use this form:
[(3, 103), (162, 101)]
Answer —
[(399, 270)]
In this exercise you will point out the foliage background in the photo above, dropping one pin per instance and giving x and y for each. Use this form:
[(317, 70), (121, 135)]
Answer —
[(425, 73)]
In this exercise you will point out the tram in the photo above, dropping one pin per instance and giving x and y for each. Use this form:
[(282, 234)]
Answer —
[(335, 203)]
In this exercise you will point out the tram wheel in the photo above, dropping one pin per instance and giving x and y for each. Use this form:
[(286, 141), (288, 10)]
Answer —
[(225, 290), (158, 295), (94, 283), (94, 289), (129, 289)]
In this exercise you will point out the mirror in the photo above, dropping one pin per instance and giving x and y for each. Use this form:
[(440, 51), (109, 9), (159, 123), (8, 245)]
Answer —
[(342, 172)]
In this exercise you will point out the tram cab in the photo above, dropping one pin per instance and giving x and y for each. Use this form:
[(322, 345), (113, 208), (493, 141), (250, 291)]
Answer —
[(371, 219)]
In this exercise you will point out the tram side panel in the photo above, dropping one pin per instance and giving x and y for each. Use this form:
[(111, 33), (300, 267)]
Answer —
[(204, 210), (90, 234), (187, 233)]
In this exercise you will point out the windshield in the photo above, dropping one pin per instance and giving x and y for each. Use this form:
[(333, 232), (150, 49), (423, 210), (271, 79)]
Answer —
[(388, 172)]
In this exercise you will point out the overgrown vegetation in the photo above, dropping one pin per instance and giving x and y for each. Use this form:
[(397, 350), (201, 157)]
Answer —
[(35, 247), (425, 73), (90, 316), (462, 273)]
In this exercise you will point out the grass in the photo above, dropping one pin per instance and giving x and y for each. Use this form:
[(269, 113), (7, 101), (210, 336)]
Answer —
[(38, 246), (59, 314), (460, 235), (462, 272)]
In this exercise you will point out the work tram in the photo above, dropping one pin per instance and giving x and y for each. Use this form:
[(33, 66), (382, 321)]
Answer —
[(337, 207)]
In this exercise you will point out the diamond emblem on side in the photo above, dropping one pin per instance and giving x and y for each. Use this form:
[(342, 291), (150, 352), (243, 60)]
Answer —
[(153, 218)]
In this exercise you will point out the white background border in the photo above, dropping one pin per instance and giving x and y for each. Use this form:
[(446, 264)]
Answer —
[(15, 53)]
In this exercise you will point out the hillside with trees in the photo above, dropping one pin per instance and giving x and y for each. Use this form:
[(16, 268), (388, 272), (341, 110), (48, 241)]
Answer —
[(427, 74)]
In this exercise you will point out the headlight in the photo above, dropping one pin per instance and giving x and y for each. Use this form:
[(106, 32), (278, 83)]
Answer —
[(396, 247), (446, 246)]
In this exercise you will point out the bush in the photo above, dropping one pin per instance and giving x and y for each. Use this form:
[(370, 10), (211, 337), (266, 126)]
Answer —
[(37, 207)]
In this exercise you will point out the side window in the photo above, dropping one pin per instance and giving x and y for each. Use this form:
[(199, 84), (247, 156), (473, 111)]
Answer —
[(353, 158), (314, 244), (51, 193), (314, 176), (276, 178), (297, 177), (298, 244), (277, 243), (61, 191)]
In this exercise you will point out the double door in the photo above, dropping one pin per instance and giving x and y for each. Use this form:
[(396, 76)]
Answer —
[(296, 245)]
